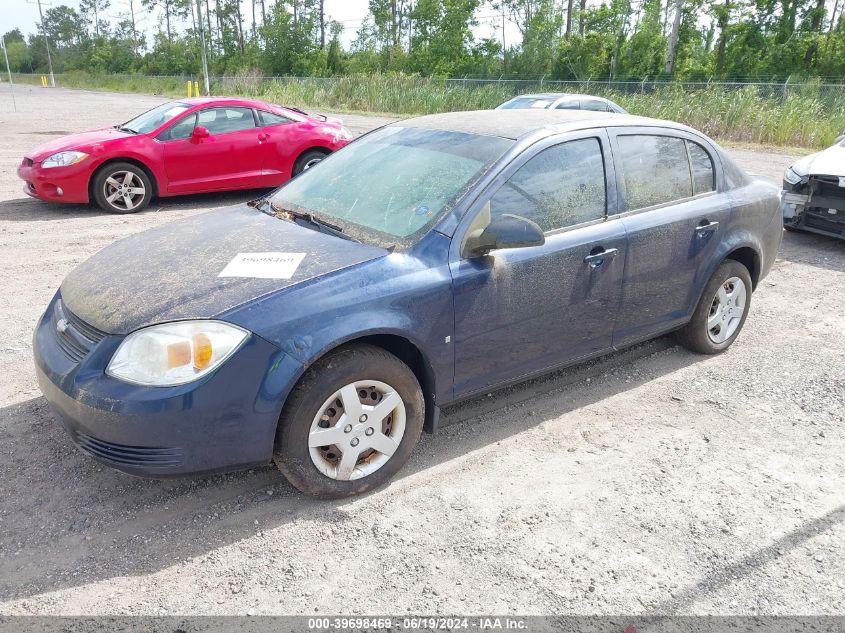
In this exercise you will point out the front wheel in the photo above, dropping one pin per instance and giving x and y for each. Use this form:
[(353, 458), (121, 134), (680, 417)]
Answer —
[(122, 188), (307, 161), (721, 311), (350, 423)]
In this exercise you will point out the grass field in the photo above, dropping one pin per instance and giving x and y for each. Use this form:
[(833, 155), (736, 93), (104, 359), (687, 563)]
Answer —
[(806, 117)]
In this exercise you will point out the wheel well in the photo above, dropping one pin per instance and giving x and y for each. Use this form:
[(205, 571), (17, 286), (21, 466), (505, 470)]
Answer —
[(409, 354), (131, 161), (749, 258), (323, 150)]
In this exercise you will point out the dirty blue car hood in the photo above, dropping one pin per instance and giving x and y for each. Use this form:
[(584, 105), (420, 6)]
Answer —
[(171, 272)]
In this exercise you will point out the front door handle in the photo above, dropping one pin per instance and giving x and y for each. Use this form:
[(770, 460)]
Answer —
[(263, 136), (705, 228), (598, 255)]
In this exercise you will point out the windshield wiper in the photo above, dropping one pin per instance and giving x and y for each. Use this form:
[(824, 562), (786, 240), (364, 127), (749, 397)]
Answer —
[(265, 205), (123, 128)]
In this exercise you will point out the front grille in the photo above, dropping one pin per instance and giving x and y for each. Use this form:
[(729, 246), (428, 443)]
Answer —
[(148, 457), (75, 337), (28, 162)]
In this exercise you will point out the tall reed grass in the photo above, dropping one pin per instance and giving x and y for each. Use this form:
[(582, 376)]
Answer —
[(804, 116)]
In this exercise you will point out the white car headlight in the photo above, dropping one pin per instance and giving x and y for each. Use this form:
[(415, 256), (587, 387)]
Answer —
[(791, 176), (63, 159), (175, 353)]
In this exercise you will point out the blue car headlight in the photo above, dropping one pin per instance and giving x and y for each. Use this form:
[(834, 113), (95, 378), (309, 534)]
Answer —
[(175, 353)]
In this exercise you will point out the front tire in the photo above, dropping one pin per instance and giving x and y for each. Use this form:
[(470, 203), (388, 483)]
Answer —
[(307, 161), (122, 188), (350, 423), (721, 311)]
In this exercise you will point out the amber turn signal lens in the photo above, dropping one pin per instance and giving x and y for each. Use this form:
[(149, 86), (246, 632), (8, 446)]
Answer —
[(202, 351)]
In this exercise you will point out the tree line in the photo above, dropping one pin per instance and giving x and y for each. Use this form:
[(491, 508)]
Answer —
[(771, 40)]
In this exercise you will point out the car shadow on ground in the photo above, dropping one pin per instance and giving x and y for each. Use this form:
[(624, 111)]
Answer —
[(813, 249), (32, 210), (74, 521)]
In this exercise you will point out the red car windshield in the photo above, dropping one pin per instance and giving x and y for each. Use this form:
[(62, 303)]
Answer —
[(155, 118)]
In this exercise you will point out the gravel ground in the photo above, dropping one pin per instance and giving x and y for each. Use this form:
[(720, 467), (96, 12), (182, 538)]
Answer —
[(652, 481)]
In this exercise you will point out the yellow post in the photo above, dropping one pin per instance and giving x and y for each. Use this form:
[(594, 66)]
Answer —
[(189, 88), (43, 81), (197, 88)]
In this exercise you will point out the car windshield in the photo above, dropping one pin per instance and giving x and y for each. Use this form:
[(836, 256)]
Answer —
[(527, 102), (155, 118), (392, 185)]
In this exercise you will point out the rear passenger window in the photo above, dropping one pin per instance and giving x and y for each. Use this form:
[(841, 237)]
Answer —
[(269, 118), (702, 168), (223, 120), (592, 104), (561, 186), (567, 105), (655, 169)]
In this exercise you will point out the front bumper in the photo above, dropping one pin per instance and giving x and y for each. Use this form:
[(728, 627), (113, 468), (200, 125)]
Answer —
[(56, 184), (223, 421), (823, 212)]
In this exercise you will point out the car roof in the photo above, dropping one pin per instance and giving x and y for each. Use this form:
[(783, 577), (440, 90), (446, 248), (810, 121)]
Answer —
[(550, 95), (514, 124), (198, 101)]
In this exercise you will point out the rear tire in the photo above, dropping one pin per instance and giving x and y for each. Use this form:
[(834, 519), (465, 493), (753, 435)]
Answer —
[(721, 311), (122, 188), (308, 160), (350, 423)]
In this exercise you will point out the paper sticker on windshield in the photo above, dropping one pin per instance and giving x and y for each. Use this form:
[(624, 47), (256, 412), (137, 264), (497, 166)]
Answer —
[(263, 265), (842, 181)]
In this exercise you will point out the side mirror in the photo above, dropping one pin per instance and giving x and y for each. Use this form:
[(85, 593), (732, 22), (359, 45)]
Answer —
[(505, 231), (200, 132)]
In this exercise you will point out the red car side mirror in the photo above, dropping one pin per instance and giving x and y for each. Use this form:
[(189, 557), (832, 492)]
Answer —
[(200, 132)]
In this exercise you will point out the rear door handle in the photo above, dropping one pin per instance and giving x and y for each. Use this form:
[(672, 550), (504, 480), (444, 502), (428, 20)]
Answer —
[(263, 136), (597, 257), (704, 229)]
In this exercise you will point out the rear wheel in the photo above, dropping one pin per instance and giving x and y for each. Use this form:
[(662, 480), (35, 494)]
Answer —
[(122, 188), (350, 424), (308, 160), (721, 311)]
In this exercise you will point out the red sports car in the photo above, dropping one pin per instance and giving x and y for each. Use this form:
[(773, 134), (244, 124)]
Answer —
[(187, 146)]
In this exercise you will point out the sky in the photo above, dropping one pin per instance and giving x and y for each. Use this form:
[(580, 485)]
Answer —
[(23, 14)]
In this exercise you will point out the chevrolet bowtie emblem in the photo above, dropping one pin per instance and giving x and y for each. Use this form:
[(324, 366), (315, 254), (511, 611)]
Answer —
[(61, 326)]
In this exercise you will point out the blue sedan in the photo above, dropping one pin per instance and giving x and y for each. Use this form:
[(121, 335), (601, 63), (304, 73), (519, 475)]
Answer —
[(434, 259)]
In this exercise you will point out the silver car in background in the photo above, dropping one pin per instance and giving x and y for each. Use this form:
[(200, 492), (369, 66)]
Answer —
[(562, 101), (813, 197)]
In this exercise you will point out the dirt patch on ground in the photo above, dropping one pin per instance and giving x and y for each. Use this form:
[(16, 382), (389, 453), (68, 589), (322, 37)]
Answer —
[(653, 481)]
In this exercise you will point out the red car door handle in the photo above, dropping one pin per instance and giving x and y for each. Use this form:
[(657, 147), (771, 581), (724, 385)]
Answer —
[(263, 136)]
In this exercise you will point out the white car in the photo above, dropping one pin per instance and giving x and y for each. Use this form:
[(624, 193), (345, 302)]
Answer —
[(562, 101), (813, 197)]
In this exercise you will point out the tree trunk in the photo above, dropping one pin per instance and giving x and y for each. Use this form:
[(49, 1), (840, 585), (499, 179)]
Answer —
[(322, 25), (582, 8), (673, 38), (240, 26), (722, 21), (569, 6), (167, 18), (253, 18), (208, 21)]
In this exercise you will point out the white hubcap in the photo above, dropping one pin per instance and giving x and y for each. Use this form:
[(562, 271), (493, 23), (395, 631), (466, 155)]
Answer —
[(357, 430), (124, 190), (726, 310)]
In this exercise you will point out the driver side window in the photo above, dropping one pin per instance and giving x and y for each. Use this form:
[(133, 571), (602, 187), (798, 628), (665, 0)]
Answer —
[(561, 186), (180, 130)]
